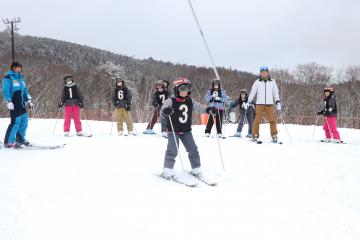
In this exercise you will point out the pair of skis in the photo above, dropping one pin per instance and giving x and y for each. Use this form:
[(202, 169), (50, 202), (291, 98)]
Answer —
[(260, 142), (340, 142), (41, 147), (84, 135), (190, 180), (36, 147)]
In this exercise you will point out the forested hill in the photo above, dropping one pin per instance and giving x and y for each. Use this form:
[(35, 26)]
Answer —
[(46, 61)]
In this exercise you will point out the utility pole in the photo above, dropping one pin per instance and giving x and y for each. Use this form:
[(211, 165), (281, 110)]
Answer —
[(11, 27)]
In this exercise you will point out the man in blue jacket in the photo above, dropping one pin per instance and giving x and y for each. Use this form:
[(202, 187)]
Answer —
[(16, 97)]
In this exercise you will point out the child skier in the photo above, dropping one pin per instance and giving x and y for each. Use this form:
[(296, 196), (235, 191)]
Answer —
[(16, 96), (122, 101), (72, 99), (179, 110), (216, 97), (248, 113), (159, 96), (329, 110), (167, 86)]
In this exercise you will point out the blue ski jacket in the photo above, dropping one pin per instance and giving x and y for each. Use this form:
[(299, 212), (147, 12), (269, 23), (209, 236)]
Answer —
[(15, 90)]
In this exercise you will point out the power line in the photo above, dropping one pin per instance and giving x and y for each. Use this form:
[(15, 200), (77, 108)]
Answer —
[(11, 28)]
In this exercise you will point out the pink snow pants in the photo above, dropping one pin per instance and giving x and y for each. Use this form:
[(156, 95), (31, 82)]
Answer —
[(73, 110), (330, 128)]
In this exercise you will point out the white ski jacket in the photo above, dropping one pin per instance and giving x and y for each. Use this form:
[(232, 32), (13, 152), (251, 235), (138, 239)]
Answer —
[(266, 92)]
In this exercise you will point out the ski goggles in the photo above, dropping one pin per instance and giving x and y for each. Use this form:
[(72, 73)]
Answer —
[(184, 88), (264, 68)]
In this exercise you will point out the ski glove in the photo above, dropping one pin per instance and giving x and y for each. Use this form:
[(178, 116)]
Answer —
[(211, 111), (322, 112), (81, 104), (30, 104), (278, 106), (61, 104), (116, 103), (10, 105), (216, 99), (167, 111), (128, 107), (245, 105)]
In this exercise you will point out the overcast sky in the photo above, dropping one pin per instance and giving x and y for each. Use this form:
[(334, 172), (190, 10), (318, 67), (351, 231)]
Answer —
[(241, 34)]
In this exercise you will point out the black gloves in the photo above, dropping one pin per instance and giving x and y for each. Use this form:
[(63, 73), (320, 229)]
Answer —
[(61, 104), (216, 99), (116, 103), (81, 104), (322, 112), (167, 111), (128, 107)]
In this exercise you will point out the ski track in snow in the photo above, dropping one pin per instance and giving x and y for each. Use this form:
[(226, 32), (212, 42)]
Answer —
[(104, 187)]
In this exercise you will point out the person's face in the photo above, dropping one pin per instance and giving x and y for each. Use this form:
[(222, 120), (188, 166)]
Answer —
[(17, 69), (216, 85), (184, 90), (264, 74), (327, 93), (119, 84), (160, 88), (68, 81), (243, 95), (183, 94)]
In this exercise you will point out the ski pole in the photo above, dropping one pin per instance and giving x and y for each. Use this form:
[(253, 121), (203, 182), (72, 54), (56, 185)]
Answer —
[(133, 123), (220, 152), (112, 123), (177, 146), (220, 120), (86, 120), (225, 124), (57, 116), (316, 123), (283, 122), (245, 121)]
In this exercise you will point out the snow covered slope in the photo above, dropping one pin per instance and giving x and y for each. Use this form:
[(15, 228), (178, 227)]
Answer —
[(105, 187)]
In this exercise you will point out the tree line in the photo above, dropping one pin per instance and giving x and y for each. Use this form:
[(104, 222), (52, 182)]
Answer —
[(46, 61)]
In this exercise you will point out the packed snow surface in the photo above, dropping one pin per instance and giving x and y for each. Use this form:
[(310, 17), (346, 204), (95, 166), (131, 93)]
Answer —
[(105, 187)]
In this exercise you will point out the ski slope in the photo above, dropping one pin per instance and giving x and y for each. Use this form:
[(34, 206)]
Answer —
[(105, 188)]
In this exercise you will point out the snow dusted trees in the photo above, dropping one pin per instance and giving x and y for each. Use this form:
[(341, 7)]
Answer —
[(46, 61), (301, 92)]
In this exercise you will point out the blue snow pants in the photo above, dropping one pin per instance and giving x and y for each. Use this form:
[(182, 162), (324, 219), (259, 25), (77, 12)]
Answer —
[(17, 127)]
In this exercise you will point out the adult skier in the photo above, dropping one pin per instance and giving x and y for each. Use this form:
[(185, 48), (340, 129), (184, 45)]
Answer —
[(16, 96), (267, 95)]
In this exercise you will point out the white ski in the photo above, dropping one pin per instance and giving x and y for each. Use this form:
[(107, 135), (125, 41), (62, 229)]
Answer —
[(204, 180), (180, 181)]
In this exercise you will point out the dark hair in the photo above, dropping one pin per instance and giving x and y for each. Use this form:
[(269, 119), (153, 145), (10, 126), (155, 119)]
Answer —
[(15, 64)]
